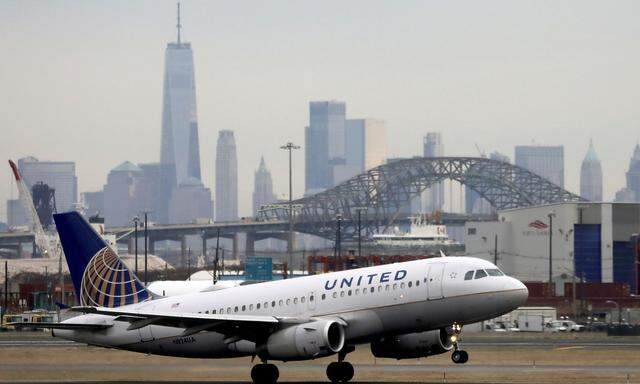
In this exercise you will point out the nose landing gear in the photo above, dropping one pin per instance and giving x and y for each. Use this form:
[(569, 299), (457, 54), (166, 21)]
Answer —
[(458, 356)]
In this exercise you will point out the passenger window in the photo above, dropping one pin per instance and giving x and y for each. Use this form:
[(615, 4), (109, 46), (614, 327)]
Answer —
[(335, 294), (323, 296), (386, 288), (213, 311), (349, 293), (251, 307), (280, 302), (266, 304), (221, 311), (207, 311), (244, 308), (364, 291), (417, 283), (468, 275), (480, 273), (357, 291), (395, 285), (235, 309), (379, 288), (228, 310), (295, 300), (311, 298), (288, 301), (373, 289), (495, 272), (410, 284), (402, 285), (302, 299), (258, 306), (341, 293), (273, 303)]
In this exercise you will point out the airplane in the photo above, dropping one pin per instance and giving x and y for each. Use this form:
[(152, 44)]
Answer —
[(403, 310)]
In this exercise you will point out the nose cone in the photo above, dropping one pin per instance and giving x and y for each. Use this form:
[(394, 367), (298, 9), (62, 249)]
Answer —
[(518, 292)]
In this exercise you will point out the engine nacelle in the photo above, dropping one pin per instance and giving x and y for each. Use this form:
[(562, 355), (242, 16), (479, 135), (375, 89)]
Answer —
[(412, 345), (299, 342)]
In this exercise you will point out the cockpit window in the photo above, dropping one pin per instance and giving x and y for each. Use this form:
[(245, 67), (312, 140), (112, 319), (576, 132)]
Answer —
[(480, 273), (495, 272), (468, 275)]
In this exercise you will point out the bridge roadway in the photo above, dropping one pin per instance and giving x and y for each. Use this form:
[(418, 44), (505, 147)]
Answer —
[(254, 230)]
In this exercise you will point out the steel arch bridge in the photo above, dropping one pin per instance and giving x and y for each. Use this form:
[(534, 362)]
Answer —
[(383, 190)]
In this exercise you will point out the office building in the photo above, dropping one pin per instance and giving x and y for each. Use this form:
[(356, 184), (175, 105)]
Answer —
[(433, 197), (190, 202), (262, 188), (226, 177), (365, 143), (631, 192), (58, 175), (591, 176), (545, 161), (324, 144), (120, 192), (179, 141), (93, 203), (16, 215)]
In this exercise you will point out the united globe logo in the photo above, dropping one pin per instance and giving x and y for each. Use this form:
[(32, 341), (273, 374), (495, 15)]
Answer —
[(107, 282)]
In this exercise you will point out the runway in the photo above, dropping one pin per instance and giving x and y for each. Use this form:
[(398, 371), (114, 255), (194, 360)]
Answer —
[(562, 359)]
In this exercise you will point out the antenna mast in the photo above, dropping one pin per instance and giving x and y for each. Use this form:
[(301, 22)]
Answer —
[(179, 26)]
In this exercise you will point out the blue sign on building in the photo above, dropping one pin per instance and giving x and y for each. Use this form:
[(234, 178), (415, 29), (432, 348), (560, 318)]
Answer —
[(258, 268)]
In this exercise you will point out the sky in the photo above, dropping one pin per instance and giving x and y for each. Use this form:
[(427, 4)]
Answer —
[(82, 81)]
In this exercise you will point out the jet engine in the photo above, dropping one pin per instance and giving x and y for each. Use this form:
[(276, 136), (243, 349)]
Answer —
[(412, 345), (298, 342)]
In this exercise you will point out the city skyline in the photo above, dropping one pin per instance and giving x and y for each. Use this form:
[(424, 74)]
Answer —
[(125, 96)]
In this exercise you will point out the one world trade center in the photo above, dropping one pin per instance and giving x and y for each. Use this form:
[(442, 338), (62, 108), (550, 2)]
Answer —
[(180, 150)]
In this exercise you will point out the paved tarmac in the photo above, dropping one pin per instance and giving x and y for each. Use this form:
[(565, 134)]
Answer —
[(547, 359)]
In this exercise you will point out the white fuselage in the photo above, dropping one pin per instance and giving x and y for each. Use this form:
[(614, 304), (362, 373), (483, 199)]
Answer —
[(396, 298)]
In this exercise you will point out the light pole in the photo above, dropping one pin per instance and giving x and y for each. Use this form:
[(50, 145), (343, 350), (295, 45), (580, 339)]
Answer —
[(617, 308), (551, 215), (338, 241), (290, 147), (135, 245), (360, 210), (146, 239)]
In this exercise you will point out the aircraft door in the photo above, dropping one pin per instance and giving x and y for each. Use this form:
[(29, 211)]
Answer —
[(434, 281)]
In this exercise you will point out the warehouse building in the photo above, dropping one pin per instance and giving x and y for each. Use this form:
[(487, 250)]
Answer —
[(589, 242)]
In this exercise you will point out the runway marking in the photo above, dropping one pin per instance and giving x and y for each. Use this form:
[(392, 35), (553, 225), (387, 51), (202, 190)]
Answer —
[(567, 348)]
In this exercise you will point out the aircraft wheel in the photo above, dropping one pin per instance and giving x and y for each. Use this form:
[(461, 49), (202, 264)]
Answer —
[(340, 372), (459, 356), (264, 374)]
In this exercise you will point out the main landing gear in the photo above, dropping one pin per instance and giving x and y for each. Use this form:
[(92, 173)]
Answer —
[(264, 374), (458, 356), (341, 371)]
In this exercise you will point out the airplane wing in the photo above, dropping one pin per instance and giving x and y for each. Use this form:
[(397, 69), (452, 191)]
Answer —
[(247, 327)]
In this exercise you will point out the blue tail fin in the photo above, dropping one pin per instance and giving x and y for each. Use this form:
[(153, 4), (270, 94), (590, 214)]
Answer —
[(99, 277)]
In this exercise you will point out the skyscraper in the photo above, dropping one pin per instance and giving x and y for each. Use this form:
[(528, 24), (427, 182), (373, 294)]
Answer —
[(190, 201), (545, 161), (591, 176), (631, 193), (120, 192), (433, 197), (226, 177), (179, 141), (262, 188), (324, 144)]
